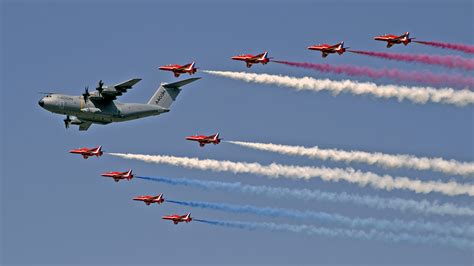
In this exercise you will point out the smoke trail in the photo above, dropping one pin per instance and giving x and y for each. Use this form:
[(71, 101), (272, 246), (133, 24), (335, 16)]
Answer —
[(439, 60), (337, 219), (374, 158), (421, 207), (274, 170), (342, 233), (452, 46), (420, 95), (400, 75)]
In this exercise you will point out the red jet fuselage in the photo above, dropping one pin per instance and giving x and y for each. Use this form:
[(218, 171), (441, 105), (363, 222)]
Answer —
[(203, 140), (87, 152), (326, 49), (150, 199), (178, 69), (176, 218), (117, 176), (253, 59), (393, 39)]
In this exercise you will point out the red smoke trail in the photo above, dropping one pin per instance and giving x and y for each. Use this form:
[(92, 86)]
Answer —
[(446, 61), (421, 77), (453, 46)]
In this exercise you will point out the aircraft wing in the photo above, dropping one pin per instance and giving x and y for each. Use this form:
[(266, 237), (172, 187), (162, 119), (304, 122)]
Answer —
[(127, 84), (84, 126), (257, 56), (111, 93)]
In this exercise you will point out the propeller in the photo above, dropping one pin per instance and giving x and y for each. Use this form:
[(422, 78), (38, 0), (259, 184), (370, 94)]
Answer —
[(100, 86), (86, 93), (67, 121)]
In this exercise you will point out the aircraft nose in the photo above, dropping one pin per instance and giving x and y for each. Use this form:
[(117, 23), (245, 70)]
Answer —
[(41, 103)]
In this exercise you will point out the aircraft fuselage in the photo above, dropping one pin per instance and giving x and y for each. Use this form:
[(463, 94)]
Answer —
[(97, 111)]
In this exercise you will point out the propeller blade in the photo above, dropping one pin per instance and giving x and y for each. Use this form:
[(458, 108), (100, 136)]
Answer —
[(67, 121), (101, 84), (86, 94)]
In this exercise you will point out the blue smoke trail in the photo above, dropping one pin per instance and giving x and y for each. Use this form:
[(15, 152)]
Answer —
[(336, 232), (391, 225), (420, 207)]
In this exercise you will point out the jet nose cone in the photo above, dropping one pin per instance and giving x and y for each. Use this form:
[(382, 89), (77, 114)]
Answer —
[(41, 103)]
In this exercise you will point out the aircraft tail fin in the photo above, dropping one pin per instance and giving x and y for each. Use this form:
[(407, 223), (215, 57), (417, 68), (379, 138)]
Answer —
[(168, 92)]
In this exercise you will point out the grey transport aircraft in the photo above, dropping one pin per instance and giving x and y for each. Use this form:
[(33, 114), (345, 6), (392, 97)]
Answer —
[(100, 107)]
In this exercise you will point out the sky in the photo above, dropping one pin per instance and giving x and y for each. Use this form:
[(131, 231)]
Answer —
[(57, 209)]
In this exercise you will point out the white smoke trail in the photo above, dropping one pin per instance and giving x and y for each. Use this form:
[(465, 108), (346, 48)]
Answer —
[(372, 158), (420, 95), (301, 172)]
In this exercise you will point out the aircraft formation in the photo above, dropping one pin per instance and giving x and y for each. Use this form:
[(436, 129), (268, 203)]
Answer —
[(101, 107), (128, 175)]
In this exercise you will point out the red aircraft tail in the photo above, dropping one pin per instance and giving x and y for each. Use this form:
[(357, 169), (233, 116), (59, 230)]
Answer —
[(341, 49), (160, 197), (188, 217), (191, 66), (406, 38), (98, 151), (265, 59), (129, 174), (215, 138)]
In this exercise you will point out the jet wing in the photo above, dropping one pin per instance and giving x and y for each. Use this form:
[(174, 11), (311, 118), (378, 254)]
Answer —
[(181, 67), (257, 56)]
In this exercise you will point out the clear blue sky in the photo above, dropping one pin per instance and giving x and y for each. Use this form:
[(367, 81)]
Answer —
[(57, 209)]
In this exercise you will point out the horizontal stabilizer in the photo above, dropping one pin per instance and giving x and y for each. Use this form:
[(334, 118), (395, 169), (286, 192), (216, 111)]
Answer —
[(179, 84)]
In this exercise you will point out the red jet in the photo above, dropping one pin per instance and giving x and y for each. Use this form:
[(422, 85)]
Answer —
[(203, 140), (253, 59), (117, 176), (393, 39), (176, 218), (87, 152), (178, 69), (329, 49), (151, 199)]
